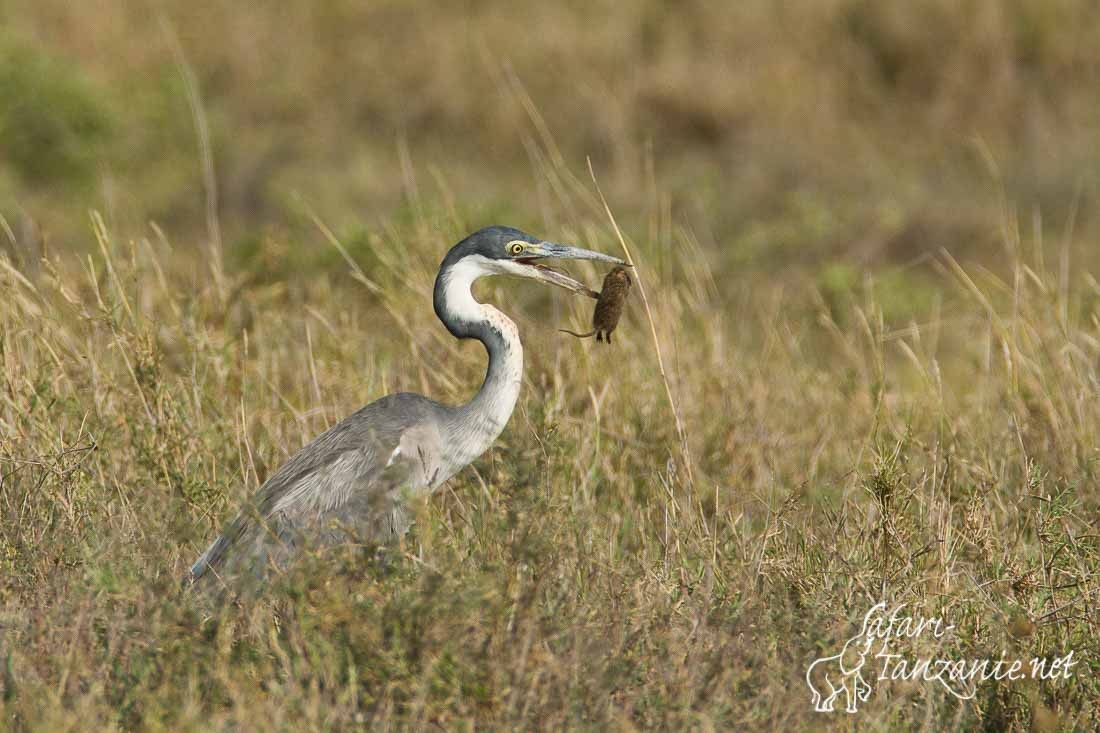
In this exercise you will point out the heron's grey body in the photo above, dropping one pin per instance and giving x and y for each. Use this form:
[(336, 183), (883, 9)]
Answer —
[(354, 480)]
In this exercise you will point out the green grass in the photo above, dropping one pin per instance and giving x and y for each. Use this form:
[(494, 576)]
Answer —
[(53, 123)]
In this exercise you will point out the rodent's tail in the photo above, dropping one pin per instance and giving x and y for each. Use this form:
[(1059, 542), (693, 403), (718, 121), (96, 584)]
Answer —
[(578, 335)]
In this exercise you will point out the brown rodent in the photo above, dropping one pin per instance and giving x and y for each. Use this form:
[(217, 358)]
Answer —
[(609, 305)]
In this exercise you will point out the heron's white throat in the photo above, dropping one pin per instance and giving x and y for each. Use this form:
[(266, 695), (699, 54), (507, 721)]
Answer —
[(479, 422)]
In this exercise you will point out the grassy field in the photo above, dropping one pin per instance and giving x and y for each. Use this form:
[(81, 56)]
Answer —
[(867, 237)]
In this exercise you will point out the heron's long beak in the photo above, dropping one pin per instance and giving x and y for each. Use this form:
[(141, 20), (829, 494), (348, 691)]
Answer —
[(565, 252), (552, 250)]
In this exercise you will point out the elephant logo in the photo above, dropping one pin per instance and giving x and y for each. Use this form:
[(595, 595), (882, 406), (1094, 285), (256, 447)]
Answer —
[(829, 677), (843, 674)]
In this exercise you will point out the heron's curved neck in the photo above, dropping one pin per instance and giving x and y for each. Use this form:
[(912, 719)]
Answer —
[(494, 402), (475, 425)]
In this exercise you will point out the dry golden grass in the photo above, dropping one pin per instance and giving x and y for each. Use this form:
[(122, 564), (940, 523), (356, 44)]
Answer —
[(574, 577), (836, 127), (887, 376)]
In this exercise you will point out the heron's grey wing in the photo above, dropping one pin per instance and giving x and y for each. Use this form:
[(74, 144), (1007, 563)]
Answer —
[(378, 512), (350, 481)]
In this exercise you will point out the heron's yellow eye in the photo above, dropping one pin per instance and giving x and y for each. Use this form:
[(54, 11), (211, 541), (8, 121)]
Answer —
[(516, 248)]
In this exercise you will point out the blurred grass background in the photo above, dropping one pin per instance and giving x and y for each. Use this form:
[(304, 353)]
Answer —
[(868, 232), (783, 133)]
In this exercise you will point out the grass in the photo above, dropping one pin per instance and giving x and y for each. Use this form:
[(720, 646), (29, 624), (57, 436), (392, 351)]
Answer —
[(573, 577), (866, 242), (850, 125)]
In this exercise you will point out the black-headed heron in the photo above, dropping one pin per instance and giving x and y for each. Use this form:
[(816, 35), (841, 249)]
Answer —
[(354, 479)]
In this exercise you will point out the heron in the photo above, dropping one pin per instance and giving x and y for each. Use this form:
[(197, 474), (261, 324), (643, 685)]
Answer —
[(356, 479)]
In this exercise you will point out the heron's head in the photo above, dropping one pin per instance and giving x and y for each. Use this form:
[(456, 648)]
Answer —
[(499, 250)]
